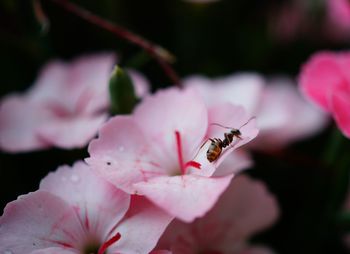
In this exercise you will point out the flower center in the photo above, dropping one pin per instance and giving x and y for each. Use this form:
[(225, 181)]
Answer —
[(94, 249), (108, 243), (183, 166)]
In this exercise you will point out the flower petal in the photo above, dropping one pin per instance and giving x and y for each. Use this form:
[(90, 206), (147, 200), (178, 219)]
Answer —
[(284, 116), (38, 220), (185, 197), (69, 133), (319, 76), (19, 120), (242, 89), (122, 155), (87, 82), (81, 85), (341, 109), (99, 204), (53, 251), (234, 163), (246, 207), (141, 228), (141, 84), (160, 115), (48, 86), (243, 209)]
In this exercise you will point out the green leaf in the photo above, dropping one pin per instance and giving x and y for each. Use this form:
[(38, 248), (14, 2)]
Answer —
[(122, 93)]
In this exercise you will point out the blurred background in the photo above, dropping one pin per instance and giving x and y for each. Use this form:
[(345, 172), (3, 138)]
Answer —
[(216, 39)]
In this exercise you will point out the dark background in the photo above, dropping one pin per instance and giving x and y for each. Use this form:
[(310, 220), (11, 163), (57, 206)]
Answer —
[(214, 39)]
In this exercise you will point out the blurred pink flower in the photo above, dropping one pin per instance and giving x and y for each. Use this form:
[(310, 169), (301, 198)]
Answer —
[(64, 108), (325, 80), (245, 208), (156, 151), (74, 211), (282, 114), (338, 14), (288, 21)]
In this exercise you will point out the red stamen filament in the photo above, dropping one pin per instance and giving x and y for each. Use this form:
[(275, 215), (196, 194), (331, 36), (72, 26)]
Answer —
[(184, 166), (108, 243)]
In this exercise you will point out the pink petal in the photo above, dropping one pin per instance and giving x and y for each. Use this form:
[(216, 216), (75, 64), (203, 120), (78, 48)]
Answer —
[(185, 197), (341, 111), (39, 220), (72, 132), (246, 207), (241, 89), (234, 163), (53, 251), (122, 155), (284, 116), (319, 76), (167, 111), (141, 228), (343, 58), (50, 83), (243, 209), (339, 13), (91, 73), (141, 84), (81, 85), (19, 119), (100, 205)]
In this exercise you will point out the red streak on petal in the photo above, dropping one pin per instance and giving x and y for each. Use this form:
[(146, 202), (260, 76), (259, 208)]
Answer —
[(108, 243), (66, 245), (87, 223), (184, 166), (193, 164), (179, 152)]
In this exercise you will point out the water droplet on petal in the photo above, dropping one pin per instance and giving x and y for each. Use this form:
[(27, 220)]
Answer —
[(121, 148), (74, 178), (8, 252)]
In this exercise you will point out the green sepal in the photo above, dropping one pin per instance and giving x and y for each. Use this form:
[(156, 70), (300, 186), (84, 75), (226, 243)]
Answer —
[(122, 92)]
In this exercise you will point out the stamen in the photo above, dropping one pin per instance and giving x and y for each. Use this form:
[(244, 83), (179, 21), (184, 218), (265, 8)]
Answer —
[(108, 243), (183, 166), (193, 164)]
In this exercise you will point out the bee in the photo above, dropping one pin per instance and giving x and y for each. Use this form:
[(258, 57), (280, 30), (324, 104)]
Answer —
[(217, 145)]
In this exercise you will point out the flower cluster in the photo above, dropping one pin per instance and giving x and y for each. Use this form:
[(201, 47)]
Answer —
[(147, 169)]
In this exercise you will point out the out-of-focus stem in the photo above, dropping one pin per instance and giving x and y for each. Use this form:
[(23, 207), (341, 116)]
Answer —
[(161, 55)]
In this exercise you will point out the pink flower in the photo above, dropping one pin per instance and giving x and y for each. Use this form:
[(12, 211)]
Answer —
[(325, 80), (64, 108), (245, 208), (282, 114), (74, 211), (154, 151), (339, 14)]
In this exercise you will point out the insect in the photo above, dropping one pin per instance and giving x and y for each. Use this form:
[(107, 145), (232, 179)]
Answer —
[(217, 145)]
